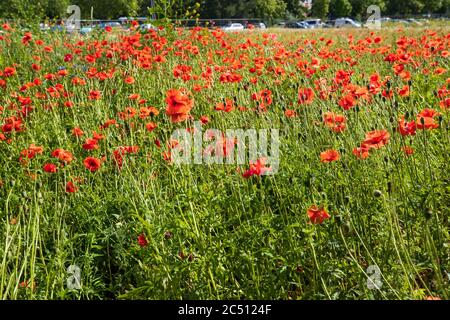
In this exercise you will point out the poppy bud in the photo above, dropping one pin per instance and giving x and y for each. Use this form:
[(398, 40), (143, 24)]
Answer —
[(346, 228), (428, 213), (168, 235), (347, 199), (377, 193), (12, 183)]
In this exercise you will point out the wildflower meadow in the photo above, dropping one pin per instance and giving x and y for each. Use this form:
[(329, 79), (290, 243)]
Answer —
[(200, 164)]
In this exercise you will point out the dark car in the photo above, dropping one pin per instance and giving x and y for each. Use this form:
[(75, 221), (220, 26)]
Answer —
[(296, 25)]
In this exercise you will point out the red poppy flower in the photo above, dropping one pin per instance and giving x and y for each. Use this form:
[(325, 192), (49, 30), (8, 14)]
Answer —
[(445, 104), (68, 58), (347, 102), (317, 215), (90, 144), (290, 113), (142, 241), (376, 139), (305, 96), (336, 122), (406, 128), (404, 91), (27, 38), (77, 132), (95, 95), (408, 150), (70, 187), (92, 164), (50, 168), (150, 126), (63, 155), (257, 168), (425, 119), (204, 119), (179, 104), (329, 156), (361, 152), (129, 80)]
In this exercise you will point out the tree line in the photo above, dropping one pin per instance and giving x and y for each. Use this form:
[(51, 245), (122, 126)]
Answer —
[(218, 9)]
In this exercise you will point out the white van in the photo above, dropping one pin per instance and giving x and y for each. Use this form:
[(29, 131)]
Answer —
[(346, 23), (314, 23)]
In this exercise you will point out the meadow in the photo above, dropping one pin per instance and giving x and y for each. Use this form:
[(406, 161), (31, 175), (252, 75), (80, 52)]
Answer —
[(92, 205)]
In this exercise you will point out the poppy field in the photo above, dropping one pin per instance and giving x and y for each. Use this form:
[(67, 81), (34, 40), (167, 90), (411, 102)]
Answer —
[(93, 205)]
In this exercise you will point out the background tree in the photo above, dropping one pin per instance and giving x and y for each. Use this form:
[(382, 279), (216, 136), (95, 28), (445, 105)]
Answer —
[(404, 7), (56, 8), (359, 7), (432, 5), (295, 8), (320, 8), (23, 9), (340, 8), (269, 9), (108, 9)]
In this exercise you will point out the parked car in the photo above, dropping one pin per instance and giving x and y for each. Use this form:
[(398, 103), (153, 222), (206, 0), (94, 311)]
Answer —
[(314, 23), (414, 21), (296, 25), (233, 27), (84, 30), (346, 23), (400, 21), (44, 27), (329, 24), (260, 25), (110, 24), (147, 27)]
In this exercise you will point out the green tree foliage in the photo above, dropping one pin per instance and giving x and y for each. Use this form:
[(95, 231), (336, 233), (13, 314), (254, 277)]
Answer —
[(340, 8), (320, 8), (359, 7), (108, 9), (401, 7), (432, 5), (23, 9), (269, 8), (295, 8)]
